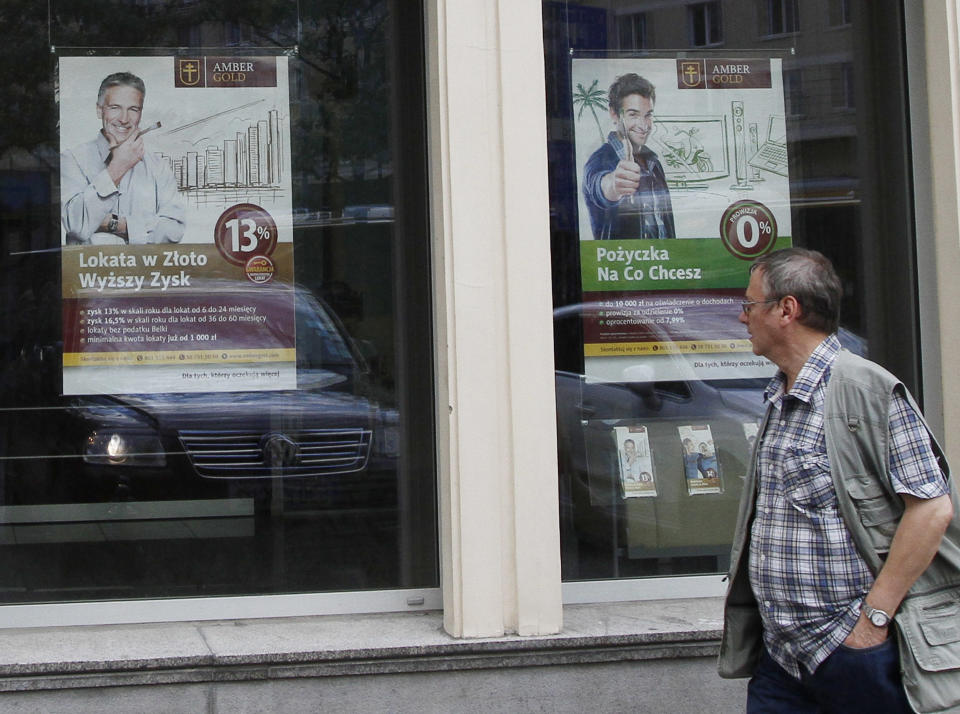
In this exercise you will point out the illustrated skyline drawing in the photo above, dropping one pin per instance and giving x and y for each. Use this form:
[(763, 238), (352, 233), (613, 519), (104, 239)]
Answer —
[(250, 159)]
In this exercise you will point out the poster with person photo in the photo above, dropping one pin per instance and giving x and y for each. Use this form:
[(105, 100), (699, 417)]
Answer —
[(682, 178), (176, 224), (635, 461), (701, 467)]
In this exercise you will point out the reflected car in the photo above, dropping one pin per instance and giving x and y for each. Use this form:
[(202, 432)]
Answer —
[(609, 531), (327, 433)]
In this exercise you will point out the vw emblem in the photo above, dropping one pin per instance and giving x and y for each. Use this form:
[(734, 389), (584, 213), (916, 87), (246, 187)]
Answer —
[(279, 451)]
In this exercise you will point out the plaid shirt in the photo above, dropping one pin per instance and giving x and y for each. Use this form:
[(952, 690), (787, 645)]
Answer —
[(804, 567)]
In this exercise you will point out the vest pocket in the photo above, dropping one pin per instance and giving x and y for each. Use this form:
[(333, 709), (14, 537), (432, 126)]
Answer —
[(930, 649), (878, 511), (931, 627)]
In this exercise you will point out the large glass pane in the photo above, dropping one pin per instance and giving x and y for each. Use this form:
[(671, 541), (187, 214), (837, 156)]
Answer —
[(640, 436), (256, 417)]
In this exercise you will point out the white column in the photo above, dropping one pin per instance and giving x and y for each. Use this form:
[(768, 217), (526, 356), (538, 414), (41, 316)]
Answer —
[(937, 182), (500, 555)]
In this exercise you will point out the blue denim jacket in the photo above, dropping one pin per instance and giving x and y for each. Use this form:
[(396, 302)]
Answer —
[(649, 208)]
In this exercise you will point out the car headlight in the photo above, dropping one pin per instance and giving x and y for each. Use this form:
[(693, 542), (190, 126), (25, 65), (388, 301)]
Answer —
[(386, 442), (116, 448)]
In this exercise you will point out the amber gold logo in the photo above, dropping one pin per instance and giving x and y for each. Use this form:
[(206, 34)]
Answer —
[(691, 73), (189, 72)]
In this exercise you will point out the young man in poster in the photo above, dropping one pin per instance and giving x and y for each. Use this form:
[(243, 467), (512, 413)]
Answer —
[(113, 190), (624, 185)]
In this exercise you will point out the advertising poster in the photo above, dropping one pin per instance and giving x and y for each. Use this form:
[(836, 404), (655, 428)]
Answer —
[(680, 187), (177, 234), (636, 464), (701, 468)]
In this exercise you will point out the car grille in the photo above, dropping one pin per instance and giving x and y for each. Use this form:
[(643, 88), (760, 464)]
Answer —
[(246, 454)]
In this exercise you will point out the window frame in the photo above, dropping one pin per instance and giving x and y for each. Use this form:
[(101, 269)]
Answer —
[(710, 15), (782, 18), (638, 29)]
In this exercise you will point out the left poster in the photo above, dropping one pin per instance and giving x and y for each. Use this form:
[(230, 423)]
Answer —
[(176, 224)]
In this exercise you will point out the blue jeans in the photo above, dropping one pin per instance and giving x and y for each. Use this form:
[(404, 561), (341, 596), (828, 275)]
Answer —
[(847, 682)]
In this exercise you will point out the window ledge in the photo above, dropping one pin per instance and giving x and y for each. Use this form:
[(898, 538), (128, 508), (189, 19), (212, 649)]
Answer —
[(780, 35), (285, 648)]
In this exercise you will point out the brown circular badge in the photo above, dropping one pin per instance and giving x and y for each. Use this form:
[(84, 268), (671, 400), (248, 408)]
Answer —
[(748, 229), (259, 269), (243, 232)]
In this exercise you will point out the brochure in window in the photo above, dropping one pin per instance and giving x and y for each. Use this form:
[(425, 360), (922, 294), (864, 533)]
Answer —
[(682, 181), (636, 464), (176, 224), (750, 431), (701, 467)]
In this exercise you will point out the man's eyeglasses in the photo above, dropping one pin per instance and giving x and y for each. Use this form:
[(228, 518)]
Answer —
[(748, 305)]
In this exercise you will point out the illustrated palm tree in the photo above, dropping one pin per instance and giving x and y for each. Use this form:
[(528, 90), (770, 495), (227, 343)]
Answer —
[(592, 99)]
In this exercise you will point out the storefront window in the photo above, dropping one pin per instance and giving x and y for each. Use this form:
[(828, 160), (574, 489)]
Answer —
[(744, 143), (214, 300)]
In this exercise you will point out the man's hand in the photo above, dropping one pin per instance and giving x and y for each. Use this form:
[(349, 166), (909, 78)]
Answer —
[(124, 156), (624, 180), (914, 544), (866, 634), (120, 230)]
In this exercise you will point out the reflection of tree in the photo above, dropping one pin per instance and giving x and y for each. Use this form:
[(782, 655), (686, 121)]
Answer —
[(344, 48), (25, 112), (339, 86)]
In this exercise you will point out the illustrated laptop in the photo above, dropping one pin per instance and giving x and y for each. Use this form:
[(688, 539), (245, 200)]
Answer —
[(772, 155)]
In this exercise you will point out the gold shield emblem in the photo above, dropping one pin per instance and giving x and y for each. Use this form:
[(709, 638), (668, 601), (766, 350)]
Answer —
[(691, 73), (189, 72)]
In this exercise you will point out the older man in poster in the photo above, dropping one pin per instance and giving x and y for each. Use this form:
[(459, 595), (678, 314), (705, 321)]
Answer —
[(113, 190)]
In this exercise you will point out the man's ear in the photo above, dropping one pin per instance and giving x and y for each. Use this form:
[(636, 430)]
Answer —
[(790, 310)]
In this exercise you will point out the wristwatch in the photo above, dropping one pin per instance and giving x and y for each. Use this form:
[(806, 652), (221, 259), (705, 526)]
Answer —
[(114, 223), (878, 617)]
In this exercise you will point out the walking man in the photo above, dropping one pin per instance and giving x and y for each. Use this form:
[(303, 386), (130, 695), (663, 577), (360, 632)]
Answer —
[(842, 518)]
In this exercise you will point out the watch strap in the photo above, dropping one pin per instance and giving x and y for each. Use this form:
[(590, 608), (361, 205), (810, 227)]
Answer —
[(873, 614)]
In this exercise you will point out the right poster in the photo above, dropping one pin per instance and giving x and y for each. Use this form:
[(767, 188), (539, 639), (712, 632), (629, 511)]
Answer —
[(682, 181)]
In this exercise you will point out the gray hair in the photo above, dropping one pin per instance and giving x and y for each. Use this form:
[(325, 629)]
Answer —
[(808, 276), (120, 79)]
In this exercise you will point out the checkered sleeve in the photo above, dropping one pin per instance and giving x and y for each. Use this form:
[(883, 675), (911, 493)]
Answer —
[(913, 466)]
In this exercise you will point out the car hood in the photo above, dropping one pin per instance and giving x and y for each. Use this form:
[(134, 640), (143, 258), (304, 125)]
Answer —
[(227, 410)]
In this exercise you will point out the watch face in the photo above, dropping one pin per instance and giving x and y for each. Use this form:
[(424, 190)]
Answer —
[(878, 618)]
